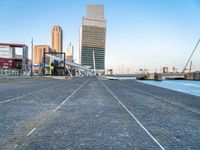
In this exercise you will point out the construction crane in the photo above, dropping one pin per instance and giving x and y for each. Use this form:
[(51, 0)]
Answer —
[(185, 68)]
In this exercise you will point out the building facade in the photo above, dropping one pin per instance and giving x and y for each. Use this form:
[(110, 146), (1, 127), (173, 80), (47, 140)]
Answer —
[(93, 38), (38, 55), (57, 39), (9, 59), (70, 52)]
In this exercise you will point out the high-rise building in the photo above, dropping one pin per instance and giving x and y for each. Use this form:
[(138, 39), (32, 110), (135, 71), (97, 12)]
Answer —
[(92, 38), (70, 52), (57, 39)]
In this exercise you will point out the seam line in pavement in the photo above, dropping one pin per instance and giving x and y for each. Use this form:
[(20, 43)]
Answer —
[(165, 100), (28, 134), (69, 96), (31, 131), (12, 99), (130, 113)]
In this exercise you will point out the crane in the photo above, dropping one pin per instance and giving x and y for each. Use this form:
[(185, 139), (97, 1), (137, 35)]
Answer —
[(185, 68)]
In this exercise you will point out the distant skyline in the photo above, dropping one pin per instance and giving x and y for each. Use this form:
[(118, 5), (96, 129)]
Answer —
[(140, 33)]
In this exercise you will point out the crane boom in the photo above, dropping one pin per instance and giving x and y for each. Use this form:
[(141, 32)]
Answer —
[(191, 56)]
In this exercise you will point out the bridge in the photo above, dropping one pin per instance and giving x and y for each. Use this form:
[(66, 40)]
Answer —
[(55, 60)]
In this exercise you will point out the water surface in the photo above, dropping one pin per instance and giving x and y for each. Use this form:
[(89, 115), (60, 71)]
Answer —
[(185, 86)]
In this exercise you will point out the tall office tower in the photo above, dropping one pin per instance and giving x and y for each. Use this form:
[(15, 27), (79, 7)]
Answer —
[(70, 52), (92, 38), (57, 39)]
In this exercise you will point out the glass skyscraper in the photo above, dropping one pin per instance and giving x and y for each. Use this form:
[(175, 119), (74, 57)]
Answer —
[(92, 38)]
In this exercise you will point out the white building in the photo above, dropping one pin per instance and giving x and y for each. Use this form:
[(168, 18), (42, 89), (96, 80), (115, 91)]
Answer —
[(70, 52)]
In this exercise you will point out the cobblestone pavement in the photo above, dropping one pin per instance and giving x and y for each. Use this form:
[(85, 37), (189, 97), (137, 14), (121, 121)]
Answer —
[(94, 113)]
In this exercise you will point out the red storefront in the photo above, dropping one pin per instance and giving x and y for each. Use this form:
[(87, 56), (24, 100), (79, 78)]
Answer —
[(8, 58), (10, 63)]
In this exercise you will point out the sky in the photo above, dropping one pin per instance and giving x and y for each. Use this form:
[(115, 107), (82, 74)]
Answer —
[(141, 34)]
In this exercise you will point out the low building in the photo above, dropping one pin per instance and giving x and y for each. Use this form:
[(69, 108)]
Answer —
[(9, 57), (38, 56), (165, 70)]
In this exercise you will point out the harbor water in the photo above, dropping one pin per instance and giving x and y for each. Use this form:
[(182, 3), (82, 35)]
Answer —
[(185, 86)]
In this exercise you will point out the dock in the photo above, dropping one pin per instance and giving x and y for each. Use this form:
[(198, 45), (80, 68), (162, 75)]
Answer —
[(96, 113), (150, 76)]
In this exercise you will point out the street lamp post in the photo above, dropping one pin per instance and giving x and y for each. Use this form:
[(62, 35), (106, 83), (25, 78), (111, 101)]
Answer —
[(32, 57)]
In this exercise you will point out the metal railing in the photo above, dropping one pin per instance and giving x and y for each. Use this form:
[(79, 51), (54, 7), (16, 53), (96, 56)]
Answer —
[(13, 72)]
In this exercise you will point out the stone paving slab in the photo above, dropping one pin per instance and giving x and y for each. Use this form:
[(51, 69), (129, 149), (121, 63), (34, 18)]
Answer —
[(95, 113), (174, 126), (20, 115)]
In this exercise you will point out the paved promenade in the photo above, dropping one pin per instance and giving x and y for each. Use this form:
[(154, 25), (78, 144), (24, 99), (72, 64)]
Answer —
[(92, 113)]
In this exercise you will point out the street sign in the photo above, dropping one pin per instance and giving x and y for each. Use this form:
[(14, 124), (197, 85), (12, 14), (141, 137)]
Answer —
[(35, 65)]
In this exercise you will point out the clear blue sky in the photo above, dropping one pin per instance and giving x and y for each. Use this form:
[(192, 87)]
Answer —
[(140, 33)]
